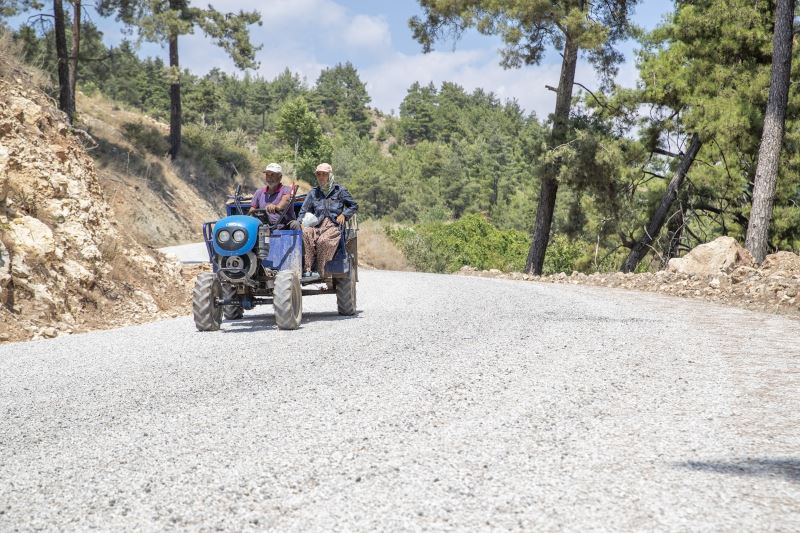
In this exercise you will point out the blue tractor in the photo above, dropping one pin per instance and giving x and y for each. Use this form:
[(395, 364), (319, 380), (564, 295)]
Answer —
[(255, 263)]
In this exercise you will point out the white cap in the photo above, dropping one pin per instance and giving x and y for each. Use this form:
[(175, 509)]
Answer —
[(274, 167)]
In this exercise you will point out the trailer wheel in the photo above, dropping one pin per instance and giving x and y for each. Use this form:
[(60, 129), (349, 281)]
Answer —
[(287, 299), (207, 314), (231, 312), (346, 293)]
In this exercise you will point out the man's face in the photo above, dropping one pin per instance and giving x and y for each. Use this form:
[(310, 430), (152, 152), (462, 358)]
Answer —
[(322, 178), (272, 178)]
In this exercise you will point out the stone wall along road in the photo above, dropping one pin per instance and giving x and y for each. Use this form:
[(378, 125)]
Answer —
[(448, 402)]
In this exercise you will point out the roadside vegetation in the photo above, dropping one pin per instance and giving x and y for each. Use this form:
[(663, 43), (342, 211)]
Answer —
[(455, 176)]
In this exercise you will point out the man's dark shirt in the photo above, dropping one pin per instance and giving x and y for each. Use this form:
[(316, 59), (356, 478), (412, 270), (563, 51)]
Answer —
[(338, 201)]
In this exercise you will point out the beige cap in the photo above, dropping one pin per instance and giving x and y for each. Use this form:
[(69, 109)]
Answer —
[(274, 167), (324, 167)]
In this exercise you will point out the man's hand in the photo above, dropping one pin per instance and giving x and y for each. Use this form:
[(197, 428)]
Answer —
[(271, 208), (251, 210), (294, 224), (340, 220)]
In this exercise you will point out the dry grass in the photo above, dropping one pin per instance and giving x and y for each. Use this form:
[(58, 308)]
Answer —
[(11, 64), (376, 250)]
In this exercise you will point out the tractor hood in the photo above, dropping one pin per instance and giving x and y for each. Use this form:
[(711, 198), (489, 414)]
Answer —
[(235, 235)]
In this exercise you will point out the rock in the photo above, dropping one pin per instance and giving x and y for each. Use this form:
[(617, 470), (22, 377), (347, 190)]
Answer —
[(76, 271), (720, 255), (32, 236), (25, 110), (742, 273), (5, 266), (786, 261)]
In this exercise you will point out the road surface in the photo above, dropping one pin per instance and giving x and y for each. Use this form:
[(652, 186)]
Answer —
[(448, 403)]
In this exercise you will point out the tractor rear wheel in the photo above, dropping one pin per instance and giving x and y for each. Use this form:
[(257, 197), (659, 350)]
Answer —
[(346, 293), (207, 314), (231, 312), (287, 299)]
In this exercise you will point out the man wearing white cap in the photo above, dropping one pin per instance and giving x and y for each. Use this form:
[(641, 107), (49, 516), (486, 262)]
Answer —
[(274, 198)]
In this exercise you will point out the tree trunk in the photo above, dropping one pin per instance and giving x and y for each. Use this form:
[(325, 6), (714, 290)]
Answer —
[(772, 137), (657, 221), (76, 47), (174, 99), (558, 136), (64, 98)]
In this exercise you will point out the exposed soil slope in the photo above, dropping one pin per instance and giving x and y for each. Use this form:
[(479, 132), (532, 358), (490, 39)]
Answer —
[(65, 263), (146, 193)]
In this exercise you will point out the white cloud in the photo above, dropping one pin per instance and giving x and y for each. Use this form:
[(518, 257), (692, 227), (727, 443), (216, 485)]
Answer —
[(388, 81), (368, 33), (296, 32)]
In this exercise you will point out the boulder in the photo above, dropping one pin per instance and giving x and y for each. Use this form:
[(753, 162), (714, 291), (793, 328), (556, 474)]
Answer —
[(32, 237), (720, 255)]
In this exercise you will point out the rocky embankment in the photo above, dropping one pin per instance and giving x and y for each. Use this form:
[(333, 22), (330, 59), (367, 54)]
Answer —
[(65, 264), (720, 271)]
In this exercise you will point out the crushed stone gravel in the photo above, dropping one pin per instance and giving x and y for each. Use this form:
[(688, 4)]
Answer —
[(448, 403)]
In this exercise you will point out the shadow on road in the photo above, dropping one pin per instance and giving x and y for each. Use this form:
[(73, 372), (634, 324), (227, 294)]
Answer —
[(266, 321), (787, 468)]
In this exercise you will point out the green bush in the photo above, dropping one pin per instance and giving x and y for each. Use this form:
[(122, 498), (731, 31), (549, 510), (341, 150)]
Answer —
[(145, 137), (216, 152), (564, 255), (471, 240)]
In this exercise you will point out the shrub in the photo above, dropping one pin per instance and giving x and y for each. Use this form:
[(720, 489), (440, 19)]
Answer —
[(145, 137), (471, 240), (217, 152), (564, 255)]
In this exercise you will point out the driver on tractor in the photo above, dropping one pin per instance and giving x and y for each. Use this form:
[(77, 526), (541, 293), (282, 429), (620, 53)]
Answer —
[(274, 199)]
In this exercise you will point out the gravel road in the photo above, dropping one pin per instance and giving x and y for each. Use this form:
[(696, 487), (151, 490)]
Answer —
[(448, 403)]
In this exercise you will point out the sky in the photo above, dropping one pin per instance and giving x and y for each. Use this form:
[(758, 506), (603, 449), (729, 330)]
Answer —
[(309, 35)]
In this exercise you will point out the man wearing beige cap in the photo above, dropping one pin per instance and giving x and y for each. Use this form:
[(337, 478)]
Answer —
[(332, 205), (274, 198)]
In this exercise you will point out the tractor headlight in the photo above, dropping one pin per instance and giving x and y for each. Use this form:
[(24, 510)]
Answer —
[(238, 235), (224, 236)]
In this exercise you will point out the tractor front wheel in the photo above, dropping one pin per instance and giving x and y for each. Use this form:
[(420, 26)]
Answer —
[(346, 293), (287, 299), (231, 312), (207, 313)]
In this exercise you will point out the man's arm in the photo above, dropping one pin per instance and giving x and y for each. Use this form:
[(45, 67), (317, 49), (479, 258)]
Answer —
[(281, 205), (254, 203)]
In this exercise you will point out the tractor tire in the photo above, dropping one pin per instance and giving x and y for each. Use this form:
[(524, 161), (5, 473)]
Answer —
[(231, 312), (207, 314), (346, 293), (287, 299)]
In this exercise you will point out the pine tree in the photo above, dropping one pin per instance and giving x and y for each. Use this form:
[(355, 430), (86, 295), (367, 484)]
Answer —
[(770, 150), (166, 20), (528, 28)]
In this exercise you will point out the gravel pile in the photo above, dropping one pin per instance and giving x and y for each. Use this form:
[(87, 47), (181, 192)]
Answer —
[(774, 286)]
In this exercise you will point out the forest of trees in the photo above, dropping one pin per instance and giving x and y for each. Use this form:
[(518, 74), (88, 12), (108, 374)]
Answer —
[(616, 178)]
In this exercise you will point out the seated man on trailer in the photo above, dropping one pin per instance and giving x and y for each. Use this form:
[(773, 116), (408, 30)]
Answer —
[(274, 199)]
